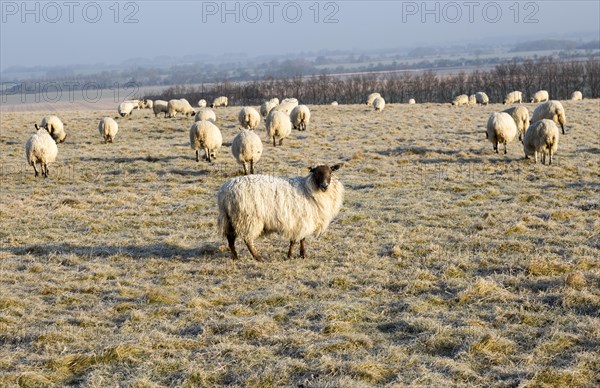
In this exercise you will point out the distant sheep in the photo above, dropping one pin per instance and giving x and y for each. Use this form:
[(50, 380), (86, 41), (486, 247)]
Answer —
[(501, 128), (371, 97), (257, 205), (577, 96), (41, 149), (540, 96), (472, 100), (55, 128), (412, 101), (379, 104), (179, 106), (266, 107), (249, 118), (334, 103), (220, 101), (551, 110), (541, 137), (137, 104), (146, 104), (513, 97), (482, 98), (108, 129), (126, 108), (202, 103), (462, 99), (160, 106), (247, 149), (206, 114), (290, 100), (206, 135), (279, 126), (520, 115), (300, 117)]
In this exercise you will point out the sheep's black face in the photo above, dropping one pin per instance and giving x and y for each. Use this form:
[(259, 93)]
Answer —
[(322, 175)]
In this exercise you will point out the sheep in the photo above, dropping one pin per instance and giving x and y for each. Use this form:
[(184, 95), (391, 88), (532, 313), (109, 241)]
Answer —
[(577, 96), (160, 106), (334, 103), (513, 97), (552, 110), (482, 98), (378, 104), (295, 208), (249, 118), (108, 129), (285, 107), (372, 98), (220, 101), (41, 148), (55, 128), (146, 104), (462, 99), (206, 135), (472, 100), (293, 101), (541, 137), (202, 103), (278, 125), (179, 106), (206, 114), (412, 101), (540, 96), (274, 101), (300, 117), (520, 115), (247, 149), (501, 128), (125, 108), (266, 107), (135, 103)]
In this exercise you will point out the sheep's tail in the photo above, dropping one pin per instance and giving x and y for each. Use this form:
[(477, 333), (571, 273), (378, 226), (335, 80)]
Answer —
[(224, 221)]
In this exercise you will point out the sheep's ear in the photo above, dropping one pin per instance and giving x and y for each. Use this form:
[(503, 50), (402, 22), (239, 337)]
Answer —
[(36, 127), (336, 166), (312, 168)]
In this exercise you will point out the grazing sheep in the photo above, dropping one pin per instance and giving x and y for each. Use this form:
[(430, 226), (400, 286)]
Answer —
[(472, 100), (136, 103), (513, 97), (334, 103), (412, 101), (55, 128), (125, 108), (266, 107), (108, 129), (300, 117), (541, 137), (160, 106), (179, 106), (501, 128), (206, 114), (521, 116), (293, 101), (371, 97), (220, 101), (202, 103), (147, 104), (378, 104), (206, 135), (247, 149), (482, 98), (295, 208), (285, 107), (551, 110), (279, 126), (540, 96), (41, 148), (462, 99), (577, 96), (249, 118)]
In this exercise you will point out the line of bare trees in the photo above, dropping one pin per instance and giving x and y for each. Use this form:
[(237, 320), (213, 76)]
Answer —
[(559, 78)]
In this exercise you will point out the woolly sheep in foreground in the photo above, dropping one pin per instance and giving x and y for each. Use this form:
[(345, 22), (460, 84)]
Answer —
[(41, 148), (220, 101), (412, 101), (462, 99), (256, 205), (249, 117), (108, 129), (551, 110), (206, 114), (540, 96), (300, 117), (125, 108), (279, 126), (202, 103), (266, 107), (472, 100), (541, 137), (521, 116), (160, 106), (378, 104), (55, 128), (482, 98), (371, 97), (513, 97), (179, 106), (206, 135), (247, 149), (501, 128), (577, 96)]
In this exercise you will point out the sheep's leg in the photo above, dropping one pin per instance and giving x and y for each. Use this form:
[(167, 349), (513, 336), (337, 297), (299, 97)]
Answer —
[(496, 146), (245, 168), (302, 249), (253, 250), (35, 169), (549, 157), (274, 144), (207, 155), (281, 141), (504, 148), (535, 155), (45, 170), (291, 250), (543, 158), (231, 242), (197, 155), (251, 166)]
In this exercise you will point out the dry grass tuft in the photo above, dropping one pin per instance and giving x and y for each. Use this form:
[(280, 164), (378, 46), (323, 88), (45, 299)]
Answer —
[(540, 267), (575, 280), (484, 290)]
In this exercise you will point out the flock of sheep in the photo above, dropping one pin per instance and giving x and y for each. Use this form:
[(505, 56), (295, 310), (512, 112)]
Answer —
[(252, 206)]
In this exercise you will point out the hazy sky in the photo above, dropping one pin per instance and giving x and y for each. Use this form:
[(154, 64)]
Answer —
[(84, 32)]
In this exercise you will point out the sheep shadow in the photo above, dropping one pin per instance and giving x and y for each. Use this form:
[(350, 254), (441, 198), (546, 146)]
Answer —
[(149, 159)]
